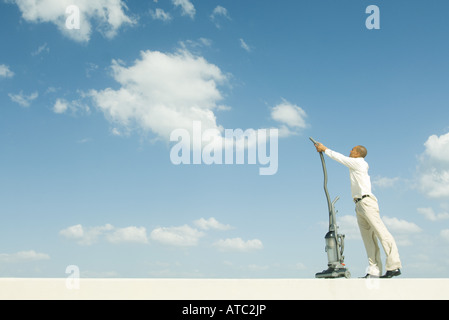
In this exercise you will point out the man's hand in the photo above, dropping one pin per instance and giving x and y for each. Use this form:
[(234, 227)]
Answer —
[(320, 147)]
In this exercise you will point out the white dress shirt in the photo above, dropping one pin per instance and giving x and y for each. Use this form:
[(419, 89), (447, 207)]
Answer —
[(358, 173)]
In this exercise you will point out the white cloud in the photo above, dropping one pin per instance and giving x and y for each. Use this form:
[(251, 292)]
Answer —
[(291, 117), (73, 232), (160, 14), (438, 147), (187, 236), (433, 168), (63, 106), (41, 49), (177, 236), (430, 214), (89, 236), (187, 7), (385, 182), (217, 15), (244, 45), (85, 236), (290, 114), (211, 223), (349, 227), (220, 11), (400, 226), (107, 15), (116, 132), (51, 90), (5, 72), (23, 256), (184, 236), (237, 244), (402, 230), (90, 69), (128, 234), (22, 99), (85, 140), (193, 45), (435, 183), (162, 92), (60, 106)]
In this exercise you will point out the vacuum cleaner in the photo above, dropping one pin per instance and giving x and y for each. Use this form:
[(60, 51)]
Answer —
[(334, 240)]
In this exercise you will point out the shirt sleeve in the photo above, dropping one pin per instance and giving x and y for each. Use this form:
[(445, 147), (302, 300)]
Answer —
[(351, 163)]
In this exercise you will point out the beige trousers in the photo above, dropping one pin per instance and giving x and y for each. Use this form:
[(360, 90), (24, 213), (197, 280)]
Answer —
[(373, 229)]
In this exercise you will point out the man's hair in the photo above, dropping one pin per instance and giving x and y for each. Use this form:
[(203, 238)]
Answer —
[(362, 151)]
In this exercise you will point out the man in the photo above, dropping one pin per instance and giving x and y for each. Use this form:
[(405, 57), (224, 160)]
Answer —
[(371, 225)]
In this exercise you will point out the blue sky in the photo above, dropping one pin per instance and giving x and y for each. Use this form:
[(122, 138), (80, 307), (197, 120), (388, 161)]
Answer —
[(85, 119)]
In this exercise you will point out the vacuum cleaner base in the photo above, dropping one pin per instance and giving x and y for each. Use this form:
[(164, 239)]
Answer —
[(332, 273)]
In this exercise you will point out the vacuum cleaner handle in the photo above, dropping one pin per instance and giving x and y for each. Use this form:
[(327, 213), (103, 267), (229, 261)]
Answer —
[(314, 142)]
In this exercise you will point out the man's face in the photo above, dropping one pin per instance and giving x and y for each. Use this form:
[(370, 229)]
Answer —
[(354, 153)]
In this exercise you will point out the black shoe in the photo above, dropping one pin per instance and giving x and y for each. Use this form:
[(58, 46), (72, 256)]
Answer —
[(369, 276), (392, 273)]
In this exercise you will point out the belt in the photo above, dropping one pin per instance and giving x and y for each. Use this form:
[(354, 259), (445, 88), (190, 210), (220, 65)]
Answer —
[(358, 199)]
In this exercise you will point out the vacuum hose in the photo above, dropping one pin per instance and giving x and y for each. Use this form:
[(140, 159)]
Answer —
[(329, 203)]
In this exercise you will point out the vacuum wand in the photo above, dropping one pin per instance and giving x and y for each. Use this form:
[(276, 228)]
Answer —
[(314, 142), (329, 203), (334, 240)]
